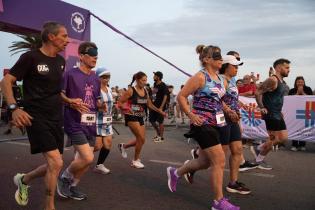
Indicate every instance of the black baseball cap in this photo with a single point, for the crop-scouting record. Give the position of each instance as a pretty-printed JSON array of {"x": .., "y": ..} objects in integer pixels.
[{"x": 159, "y": 74}]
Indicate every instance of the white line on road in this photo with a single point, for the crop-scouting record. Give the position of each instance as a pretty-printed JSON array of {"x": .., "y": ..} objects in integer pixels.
[
  {"x": 226, "y": 170},
  {"x": 27, "y": 144}
]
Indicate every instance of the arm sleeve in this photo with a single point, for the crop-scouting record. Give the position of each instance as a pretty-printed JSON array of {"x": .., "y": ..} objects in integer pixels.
[{"x": 22, "y": 66}]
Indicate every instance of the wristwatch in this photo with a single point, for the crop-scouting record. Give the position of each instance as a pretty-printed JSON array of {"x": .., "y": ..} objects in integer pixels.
[{"x": 13, "y": 107}]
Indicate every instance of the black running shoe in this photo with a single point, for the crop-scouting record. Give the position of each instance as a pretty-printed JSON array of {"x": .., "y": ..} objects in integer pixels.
[
  {"x": 63, "y": 187},
  {"x": 76, "y": 194},
  {"x": 247, "y": 166},
  {"x": 238, "y": 187}
]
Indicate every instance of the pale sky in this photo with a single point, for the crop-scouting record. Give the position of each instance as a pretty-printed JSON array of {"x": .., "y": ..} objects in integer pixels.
[{"x": 262, "y": 31}]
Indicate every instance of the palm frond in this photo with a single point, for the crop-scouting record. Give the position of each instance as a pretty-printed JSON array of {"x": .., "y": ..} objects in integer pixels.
[{"x": 29, "y": 42}]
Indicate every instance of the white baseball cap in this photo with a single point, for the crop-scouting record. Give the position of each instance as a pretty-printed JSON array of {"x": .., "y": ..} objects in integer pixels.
[
  {"x": 231, "y": 59},
  {"x": 102, "y": 71}
]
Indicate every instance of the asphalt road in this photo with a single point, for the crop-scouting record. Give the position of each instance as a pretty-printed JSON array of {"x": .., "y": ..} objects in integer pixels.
[{"x": 289, "y": 186}]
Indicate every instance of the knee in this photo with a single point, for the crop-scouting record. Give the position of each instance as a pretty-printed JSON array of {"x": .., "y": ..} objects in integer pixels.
[
  {"x": 55, "y": 164},
  {"x": 141, "y": 140},
  {"x": 88, "y": 160},
  {"x": 237, "y": 151},
  {"x": 219, "y": 162}
]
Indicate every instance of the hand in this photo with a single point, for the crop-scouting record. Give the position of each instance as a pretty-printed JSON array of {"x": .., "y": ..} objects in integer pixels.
[
  {"x": 77, "y": 104},
  {"x": 21, "y": 118},
  {"x": 263, "y": 111},
  {"x": 234, "y": 117},
  {"x": 195, "y": 119},
  {"x": 101, "y": 105},
  {"x": 300, "y": 90}
]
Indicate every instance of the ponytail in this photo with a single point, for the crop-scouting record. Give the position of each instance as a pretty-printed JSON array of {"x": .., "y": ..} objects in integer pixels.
[{"x": 137, "y": 76}]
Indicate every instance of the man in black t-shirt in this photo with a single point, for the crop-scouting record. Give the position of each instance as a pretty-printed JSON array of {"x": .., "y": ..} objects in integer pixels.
[
  {"x": 41, "y": 71},
  {"x": 159, "y": 98}
]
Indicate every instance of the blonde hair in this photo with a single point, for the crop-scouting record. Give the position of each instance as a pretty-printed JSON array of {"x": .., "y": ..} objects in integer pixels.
[{"x": 206, "y": 52}]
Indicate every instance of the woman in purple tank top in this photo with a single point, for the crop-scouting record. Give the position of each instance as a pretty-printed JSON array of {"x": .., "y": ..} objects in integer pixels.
[{"x": 207, "y": 88}]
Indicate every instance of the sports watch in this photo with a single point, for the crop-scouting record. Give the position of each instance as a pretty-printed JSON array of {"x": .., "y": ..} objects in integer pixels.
[{"x": 13, "y": 107}]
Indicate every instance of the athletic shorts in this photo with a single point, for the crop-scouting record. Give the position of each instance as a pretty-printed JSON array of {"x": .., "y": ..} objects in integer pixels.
[
  {"x": 104, "y": 130},
  {"x": 132, "y": 118},
  {"x": 45, "y": 136},
  {"x": 230, "y": 132},
  {"x": 156, "y": 117},
  {"x": 206, "y": 135},
  {"x": 275, "y": 124},
  {"x": 80, "y": 139}
]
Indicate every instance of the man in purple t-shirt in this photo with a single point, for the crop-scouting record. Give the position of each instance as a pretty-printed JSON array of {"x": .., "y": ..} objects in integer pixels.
[{"x": 81, "y": 91}]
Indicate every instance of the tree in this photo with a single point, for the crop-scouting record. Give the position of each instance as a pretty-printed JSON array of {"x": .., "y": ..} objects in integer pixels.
[{"x": 30, "y": 42}]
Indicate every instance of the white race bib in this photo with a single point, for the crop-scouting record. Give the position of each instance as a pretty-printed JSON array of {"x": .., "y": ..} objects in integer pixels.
[
  {"x": 88, "y": 118},
  {"x": 220, "y": 119},
  {"x": 107, "y": 120},
  {"x": 135, "y": 108}
]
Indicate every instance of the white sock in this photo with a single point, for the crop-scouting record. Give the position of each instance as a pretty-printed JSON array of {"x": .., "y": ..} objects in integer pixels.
[
  {"x": 175, "y": 172},
  {"x": 67, "y": 174},
  {"x": 75, "y": 182},
  {"x": 243, "y": 161},
  {"x": 260, "y": 158}
]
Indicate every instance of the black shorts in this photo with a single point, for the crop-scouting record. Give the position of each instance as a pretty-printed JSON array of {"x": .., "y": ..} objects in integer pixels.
[
  {"x": 45, "y": 136},
  {"x": 80, "y": 139},
  {"x": 275, "y": 124},
  {"x": 230, "y": 132},
  {"x": 155, "y": 117},
  {"x": 132, "y": 118},
  {"x": 206, "y": 135}
]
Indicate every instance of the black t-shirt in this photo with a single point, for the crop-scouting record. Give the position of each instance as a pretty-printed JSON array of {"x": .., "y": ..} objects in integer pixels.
[
  {"x": 159, "y": 91},
  {"x": 42, "y": 76},
  {"x": 307, "y": 90}
]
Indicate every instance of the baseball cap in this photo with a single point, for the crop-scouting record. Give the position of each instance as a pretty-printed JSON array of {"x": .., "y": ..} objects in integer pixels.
[
  {"x": 102, "y": 71},
  {"x": 232, "y": 60},
  {"x": 159, "y": 74}
]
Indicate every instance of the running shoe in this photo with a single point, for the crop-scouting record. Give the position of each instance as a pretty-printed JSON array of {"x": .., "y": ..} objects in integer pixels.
[
  {"x": 189, "y": 177},
  {"x": 21, "y": 194},
  {"x": 303, "y": 148},
  {"x": 172, "y": 178},
  {"x": 76, "y": 194},
  {"x": 122, "y": 150},
  {"x": 247, "y": 166},
  {"x": 100, "y": 168},
  {"x": 294, "y": 149},
  {"x": 223, "y": 204},
  {"x": 157, "y": 139},
  {"x": 238, "y": 187},
  {"x": 63, "y": 187},
  {"x": 194, "y": 154},
  {"x": 263, "y": 165},
  {"x": 137, "y": 164}
]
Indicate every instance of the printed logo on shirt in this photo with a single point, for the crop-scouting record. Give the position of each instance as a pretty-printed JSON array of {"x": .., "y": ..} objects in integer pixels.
[{"x": 42, "y": 69}]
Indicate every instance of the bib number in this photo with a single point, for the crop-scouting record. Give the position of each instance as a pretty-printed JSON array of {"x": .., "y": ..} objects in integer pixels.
[
  {"x": 107, "y": 120},
  {"x": 220, "y": 119},
  {"x": 135, "y": 108},
  {"x": 88, "y": 119}
]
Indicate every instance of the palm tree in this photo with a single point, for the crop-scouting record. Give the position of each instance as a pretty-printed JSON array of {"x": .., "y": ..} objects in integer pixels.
[{"x": 30, "y": 42}]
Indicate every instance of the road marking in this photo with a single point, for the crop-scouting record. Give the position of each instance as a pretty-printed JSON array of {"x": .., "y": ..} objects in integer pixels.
[
  {"x": 225, "y": 170},
  {"x": 27, "y": 144}
]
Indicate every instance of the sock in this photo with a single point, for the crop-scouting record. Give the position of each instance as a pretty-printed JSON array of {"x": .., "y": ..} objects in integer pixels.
[
  {"x": 102, "y": 155},
  {"x": 175, "y": 173},
  {"x": 67, "y": 174},
  {"x": 259, "y": 147},
  {"x": 243, "y": 161},
  {"x": 260, "y": 158},
  {"x": 232, "y": 183},
  {"x": 75, "y": 182}
]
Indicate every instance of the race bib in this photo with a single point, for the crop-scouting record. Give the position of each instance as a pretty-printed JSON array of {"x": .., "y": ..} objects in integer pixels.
[
  {"x": 107, "y": 120},
  {"x": 141, "y": 101},
  {"x": 135, "y": 108},
  {"x": 220, "y": 119},
  {"x": 88, "y": 118}
]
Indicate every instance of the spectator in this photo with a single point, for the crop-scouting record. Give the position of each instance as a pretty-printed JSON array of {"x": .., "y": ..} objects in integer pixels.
[
  {"x": 299, "y": 89},
  {"x": 239, "y": 83},
  {"x": 248, "y": 89},
  {"x": 172, "y": 104}
]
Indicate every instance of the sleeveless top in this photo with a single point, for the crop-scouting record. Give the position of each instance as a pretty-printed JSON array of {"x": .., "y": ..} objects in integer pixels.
[
  {"x": 106, "y": 98},
  {"x": 137, "y": 103},
  {"x": 231, "y": 96},
  {"x": 207, "y": 100},
  {"x": 273, "y": 101}
]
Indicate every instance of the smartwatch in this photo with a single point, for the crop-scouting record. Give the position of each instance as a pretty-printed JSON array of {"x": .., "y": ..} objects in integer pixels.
[{"x": 13, "y": 107}]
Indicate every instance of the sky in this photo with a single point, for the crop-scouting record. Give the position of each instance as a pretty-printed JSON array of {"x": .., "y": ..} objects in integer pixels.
[{"x": 261, "y": 31}]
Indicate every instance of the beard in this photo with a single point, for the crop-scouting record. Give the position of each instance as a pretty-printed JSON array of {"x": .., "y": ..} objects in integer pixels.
[{"x": 284, "y": 74}]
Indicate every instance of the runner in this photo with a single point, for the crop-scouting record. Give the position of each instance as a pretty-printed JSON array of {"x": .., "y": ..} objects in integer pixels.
[
  {"x": 133, "y": 103},
  {"x": 41, "y": 71},
  {"x": 81, "y": 91},
  {"x": 104, "y": 129},
  {"x": 159, "y": 98},
  {"x": 206, "y": 117},
  {"x": 269, "y": 97}
]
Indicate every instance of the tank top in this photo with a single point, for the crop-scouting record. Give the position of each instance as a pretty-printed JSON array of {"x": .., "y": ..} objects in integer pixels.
[
  {"x": 137, "y": 103},
  {"x": 273, "y": 101},
  {"x": 207, "y": 102},
  {"x": 107, "y": 98},
  {"x": 231, "y": 95}
]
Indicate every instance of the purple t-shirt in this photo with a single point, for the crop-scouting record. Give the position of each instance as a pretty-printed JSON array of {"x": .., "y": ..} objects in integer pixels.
[{"x": 77, "y": 84}]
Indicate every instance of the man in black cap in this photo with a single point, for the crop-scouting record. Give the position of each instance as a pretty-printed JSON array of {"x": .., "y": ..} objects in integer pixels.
[{"x": 159, "y": 98}]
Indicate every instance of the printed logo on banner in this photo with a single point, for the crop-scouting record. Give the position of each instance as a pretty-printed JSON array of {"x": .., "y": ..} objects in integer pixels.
[
  {"x": 77, "y": 22},
  {"x": 250, "y": 115},
  {"x": 307, "y": 114}
]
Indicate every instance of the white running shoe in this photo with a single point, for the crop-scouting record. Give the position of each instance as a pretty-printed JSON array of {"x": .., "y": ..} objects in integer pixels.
[
  {"x": 122, "y": 150},
  {"x": 137, "y": 164},
  {"x": 101, "y": 169},
  {"x": 157, "y": 139}
]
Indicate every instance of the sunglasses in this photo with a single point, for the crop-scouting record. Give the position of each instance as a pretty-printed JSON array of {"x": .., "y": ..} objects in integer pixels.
[
  {"x": 216, "y": 56},
  {"x": 238, "y": 58},
  {"x": 91, "y": 52}
]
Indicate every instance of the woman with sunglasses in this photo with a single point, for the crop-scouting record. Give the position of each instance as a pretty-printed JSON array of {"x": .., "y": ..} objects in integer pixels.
[
  {"x": 133, "y": 103},
  {"x": 207, "y": 88},
  {"x": 104, "y": 129}
]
